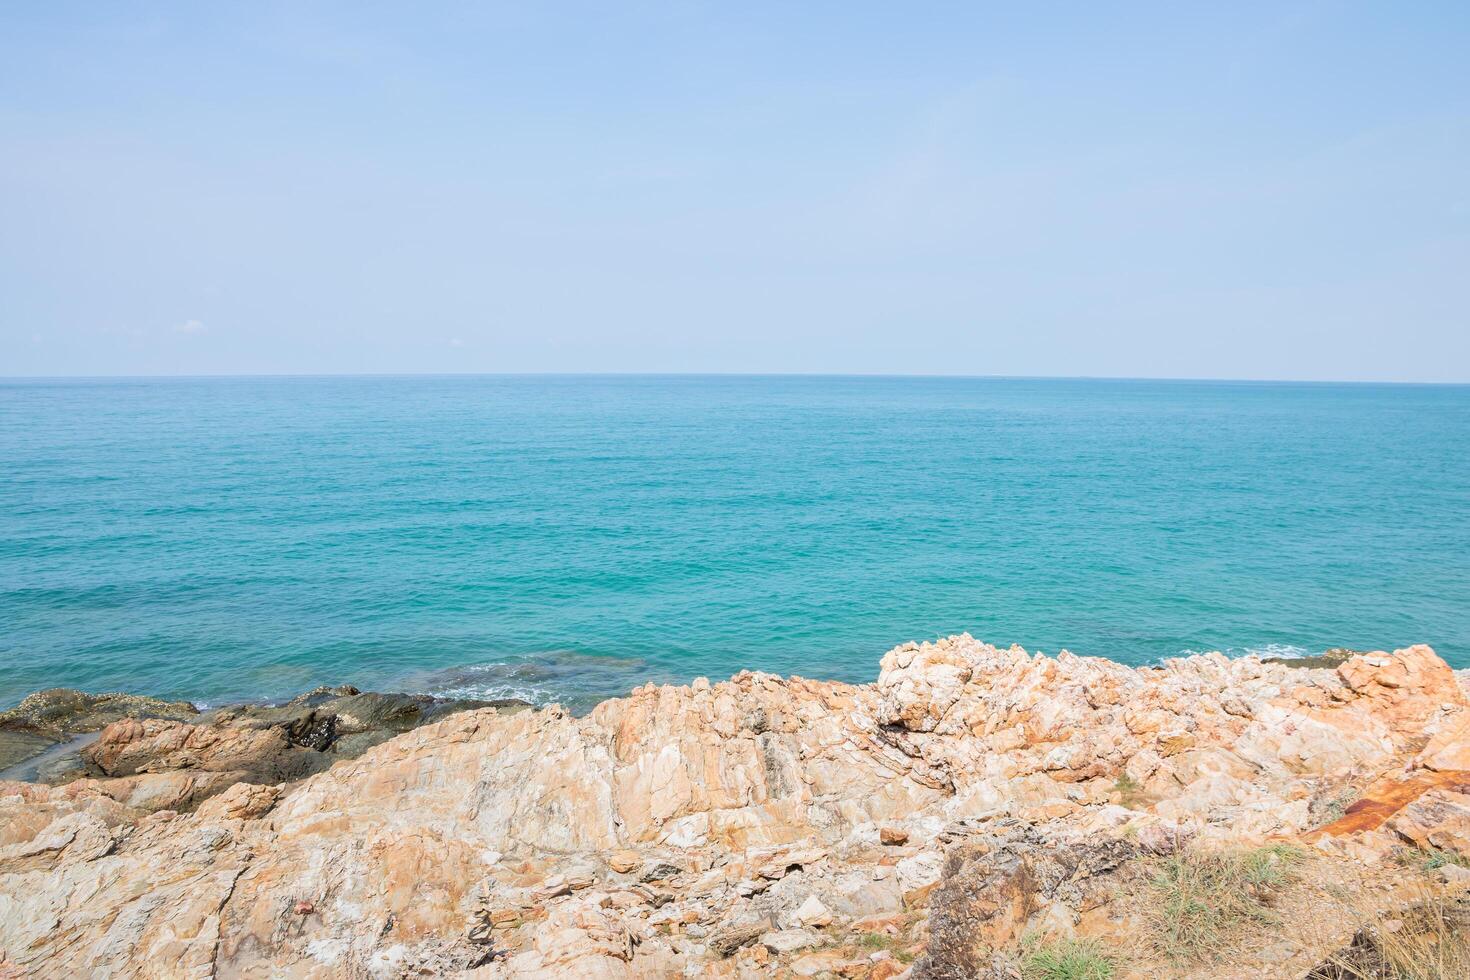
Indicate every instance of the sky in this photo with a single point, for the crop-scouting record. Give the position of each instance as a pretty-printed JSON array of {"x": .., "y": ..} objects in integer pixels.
[{"x": 1242, "y": 190}]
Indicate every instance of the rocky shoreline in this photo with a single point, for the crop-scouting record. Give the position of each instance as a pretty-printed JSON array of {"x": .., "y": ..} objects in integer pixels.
[
  {"x": 972, "y": 812},
  {"x": 53, "y": 736}
]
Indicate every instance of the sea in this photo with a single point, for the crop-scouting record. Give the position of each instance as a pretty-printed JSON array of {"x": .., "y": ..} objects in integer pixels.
[{"x": 565, "y": 538}]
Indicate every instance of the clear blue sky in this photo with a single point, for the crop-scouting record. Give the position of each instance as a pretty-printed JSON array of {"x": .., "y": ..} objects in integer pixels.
[{"x": 1275, "y": 190}]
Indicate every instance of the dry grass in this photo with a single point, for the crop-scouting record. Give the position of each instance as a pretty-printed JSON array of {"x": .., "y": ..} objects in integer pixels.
[
  {"x": 1200, "y": 904},
  {"x": 1429, "y": 941}
]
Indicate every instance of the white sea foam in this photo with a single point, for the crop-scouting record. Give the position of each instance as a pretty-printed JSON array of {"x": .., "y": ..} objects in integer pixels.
[
  {"x": 1284, "y": 650},
  {"x": 576, "y": 680}
]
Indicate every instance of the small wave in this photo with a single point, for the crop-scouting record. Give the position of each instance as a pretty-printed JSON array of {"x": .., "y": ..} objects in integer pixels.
[{"x": 575, "y": 680}]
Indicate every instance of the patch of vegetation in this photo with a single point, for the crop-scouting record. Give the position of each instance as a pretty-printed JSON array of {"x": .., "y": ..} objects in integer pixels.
[
  {"x": 1065, "y": 959},
  {"x": 1330, "y": 809},
  {"x": 904, "y": 956},
  {"x": 1428, "y": 859},
  {"x": 876, "y": 940},
  {"x": 1434, "y": 860},
  {"x": 1427, "y": 942},
  {"x": 1201, "y": 902},
  {"x": 1130, "y": 793}
]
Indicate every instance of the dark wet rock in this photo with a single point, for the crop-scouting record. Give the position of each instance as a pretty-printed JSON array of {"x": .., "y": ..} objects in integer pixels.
[
  {"x": 48, "y": 718},
  {"x": 19, "y": 746},
  {"x": 994, "y": 884},
  {"x": 58, "y": 763},
  {"x": 178, "y": 764},
  {"x": 166, "y": 754},
  {"x": 1328, "y": 658},
  {"x": 346, "y": 722}
]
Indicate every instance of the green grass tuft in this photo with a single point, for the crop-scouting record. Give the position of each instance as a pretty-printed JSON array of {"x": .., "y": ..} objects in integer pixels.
[
  {"x": 1065, "y": 959},
  {"x": 1434, "y": 860}
]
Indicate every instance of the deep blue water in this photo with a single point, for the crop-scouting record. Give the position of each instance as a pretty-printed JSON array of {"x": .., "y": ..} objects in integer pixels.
[{"x": 566, "y": 537}]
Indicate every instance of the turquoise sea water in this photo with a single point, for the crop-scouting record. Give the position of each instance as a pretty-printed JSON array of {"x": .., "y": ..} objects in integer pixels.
[{"x": 568, "y": 537}]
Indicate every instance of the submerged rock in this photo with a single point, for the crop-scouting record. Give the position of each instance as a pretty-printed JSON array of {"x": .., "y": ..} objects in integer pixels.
[{"x": 1327, "y": 658}]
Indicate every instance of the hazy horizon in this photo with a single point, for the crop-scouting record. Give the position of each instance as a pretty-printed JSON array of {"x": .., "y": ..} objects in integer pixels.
[
  {"x": 1259, "y": 192},
  {"x": 722, "y": 374}
]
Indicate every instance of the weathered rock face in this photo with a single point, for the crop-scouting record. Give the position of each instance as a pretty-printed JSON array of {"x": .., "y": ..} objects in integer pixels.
[
  {"x": 997, "y": 882},
  {"x": 670, "y": 832}
]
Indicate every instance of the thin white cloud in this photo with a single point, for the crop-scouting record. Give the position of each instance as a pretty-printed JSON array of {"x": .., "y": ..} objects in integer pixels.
[{"x": 191, "y": 326}]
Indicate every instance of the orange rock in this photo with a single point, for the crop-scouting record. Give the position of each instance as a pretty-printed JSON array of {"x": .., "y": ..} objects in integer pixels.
[
  {"x": 886, "y": 969},
  {"x": 624, "y": 861},
  {"x": 1386, "y": 798}
]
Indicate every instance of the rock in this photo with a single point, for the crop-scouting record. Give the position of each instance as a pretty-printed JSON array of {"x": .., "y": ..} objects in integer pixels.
[
  {"x": 726, "y": 941},
  {"x": 1164, "y": 838},
  {"x": 127, "y": 748},
  {"x": 345, "y": 721},
  {"x": 660, "y": 871},
  {"x": 813, "y": 913},
  {"x": 62, "y": 711},
  {"x": 242, "y": 801},
  {"x": 790, "y": 940},
  {"x": 893, "y": 836},
  {"x": 1456, "y": 876},
  {"x": 177, "y": 764},
  {"x": 624, "y": 862},
  {"x": 828, "y": 961},
  {"x": 994, "y": 884},
  {"x": 1438, "y": 820},
  {"x": 920, "y": 870},
  {"x": 1410, "y": 686},
  {"x": 1328, "y": 658}
]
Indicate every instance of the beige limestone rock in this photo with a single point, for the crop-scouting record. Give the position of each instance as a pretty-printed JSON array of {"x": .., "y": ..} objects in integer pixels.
[
  {"x": 813, "y": 914},
  {"x": 242, "y": 801}
]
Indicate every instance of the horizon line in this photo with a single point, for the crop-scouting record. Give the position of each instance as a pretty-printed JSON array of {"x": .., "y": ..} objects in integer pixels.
[{"x": 717, "y": 374}]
